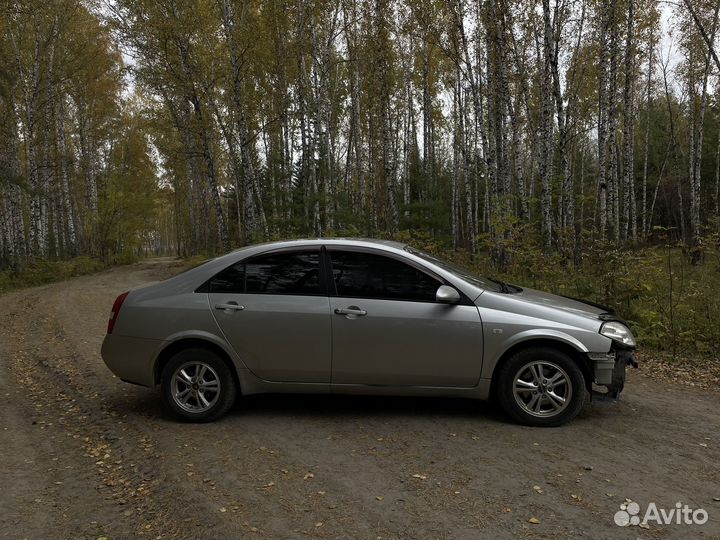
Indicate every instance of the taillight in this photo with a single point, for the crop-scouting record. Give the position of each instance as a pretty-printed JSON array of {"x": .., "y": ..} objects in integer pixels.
[{"x": 116, "y": 311}]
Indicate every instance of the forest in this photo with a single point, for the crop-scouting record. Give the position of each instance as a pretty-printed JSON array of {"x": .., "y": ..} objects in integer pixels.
[{"x": 571, "y": 145}]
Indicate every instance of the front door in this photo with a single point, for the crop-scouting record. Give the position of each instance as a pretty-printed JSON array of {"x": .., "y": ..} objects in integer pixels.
[
  {"x": 389, "y": 330},
  {"x": 275, "y": 313}
]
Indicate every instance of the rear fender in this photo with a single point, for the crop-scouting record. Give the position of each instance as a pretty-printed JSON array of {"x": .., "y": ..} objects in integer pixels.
[{"x": 202, "y": 336}]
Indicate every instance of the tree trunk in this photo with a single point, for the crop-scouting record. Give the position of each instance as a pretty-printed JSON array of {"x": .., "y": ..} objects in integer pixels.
[
  {"x": 697, "y": 140},
  {"x": 210, "y": 173},
  {"x": 629, "y": 205},
  {"x": 254, "y": 211},
  {"x": 546, "y": 163},
  {"x": 648, "y": 90},
  {"x": 603, "y": 103},
  {"x": 613, "y": 177}
]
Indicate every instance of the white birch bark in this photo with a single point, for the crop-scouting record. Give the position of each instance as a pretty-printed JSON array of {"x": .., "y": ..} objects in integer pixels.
[
  {"x": 697, "y": 141},
  {"x": 629, "y": 209},
  {"x": 546, "y": 164}
]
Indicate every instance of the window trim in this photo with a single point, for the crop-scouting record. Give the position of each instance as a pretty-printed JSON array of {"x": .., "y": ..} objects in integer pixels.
[
  {"x": 205, "y": 287},
  {"x": 332, "y": 288}
]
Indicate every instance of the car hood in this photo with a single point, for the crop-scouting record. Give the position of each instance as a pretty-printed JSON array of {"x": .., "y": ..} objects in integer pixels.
[{"x": 562, "y": 303}]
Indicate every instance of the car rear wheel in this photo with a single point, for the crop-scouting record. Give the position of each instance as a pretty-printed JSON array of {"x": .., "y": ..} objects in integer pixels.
[
  {"x": 541, "y": 386},
  {"x": 198, "y": 385}
]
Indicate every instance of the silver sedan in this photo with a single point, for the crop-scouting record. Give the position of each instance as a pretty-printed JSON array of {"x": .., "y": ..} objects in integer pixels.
[{"x": 362, "y": 317}]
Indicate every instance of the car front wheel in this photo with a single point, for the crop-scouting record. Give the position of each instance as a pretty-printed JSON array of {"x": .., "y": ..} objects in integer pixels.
[
  {"x": 541, "y": 387},
  {"x": 198, "y": 386}
]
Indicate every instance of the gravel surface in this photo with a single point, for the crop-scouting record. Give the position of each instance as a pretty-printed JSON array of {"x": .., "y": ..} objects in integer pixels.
[{"x": 85, "y": 455}]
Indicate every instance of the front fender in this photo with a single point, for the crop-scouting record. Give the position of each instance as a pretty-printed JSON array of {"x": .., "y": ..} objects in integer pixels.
[
  {"x": 555, "y": 335},
  {"x": 496, "y": 348}
]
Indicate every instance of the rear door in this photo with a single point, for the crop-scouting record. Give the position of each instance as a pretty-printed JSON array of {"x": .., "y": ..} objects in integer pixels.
[
  {"x": 274, "y": 311},
  {"x": 389, "y": 330}
]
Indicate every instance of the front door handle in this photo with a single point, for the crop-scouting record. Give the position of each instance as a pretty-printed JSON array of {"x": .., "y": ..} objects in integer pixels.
[
  {"x": 351, "y": 310},
  {"x": 230, "y": 306}
]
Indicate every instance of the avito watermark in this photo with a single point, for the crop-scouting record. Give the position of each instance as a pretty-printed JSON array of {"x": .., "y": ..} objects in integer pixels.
[{"x": 680, "y": 514}]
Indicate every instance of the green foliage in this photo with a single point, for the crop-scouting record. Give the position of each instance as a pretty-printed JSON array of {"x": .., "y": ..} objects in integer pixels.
[
  {"x": 126, "y": 212},
  {"x": 670, "y": 304}
]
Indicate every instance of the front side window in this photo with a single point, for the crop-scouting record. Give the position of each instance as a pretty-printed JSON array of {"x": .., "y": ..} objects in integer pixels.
[
  {"x": 295, "y": 273},
  {"x": 365, "y": 275},
  {"x": 483, "y": 283}
]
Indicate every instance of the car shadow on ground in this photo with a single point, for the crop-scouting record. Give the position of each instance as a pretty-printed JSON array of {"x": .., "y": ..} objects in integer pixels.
[
  {"x": 137, "y": 401},
  {"x": 350, "y": 407},
  {"x": 354, "y": 406}
]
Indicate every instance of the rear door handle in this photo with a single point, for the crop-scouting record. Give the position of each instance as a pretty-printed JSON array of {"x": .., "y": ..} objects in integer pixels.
[
  {"x": 230, "y": 306},
  {"x": 351, "y": 310}
]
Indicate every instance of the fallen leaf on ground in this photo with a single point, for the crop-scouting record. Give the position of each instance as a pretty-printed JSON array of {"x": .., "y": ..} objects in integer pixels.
[{"x": 534, "y": 520}]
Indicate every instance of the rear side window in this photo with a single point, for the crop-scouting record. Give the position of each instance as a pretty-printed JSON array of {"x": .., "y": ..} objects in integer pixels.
[
  {"x": 295, "y": 273},
  {"x": 365, "y": 275}
]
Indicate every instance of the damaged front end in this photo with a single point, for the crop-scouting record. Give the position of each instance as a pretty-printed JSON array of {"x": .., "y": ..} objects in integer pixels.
[{"x": 608, "y": 370}]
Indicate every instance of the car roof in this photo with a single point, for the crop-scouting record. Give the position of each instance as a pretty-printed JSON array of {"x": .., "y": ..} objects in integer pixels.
[{"x": 344, "y": 241}]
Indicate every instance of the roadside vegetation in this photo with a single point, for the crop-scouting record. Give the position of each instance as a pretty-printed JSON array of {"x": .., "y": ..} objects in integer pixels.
[
  {"x": 667, "y": 298},
  {"x": 40, "y": 272},
  {"x": 35, "y": 272}
]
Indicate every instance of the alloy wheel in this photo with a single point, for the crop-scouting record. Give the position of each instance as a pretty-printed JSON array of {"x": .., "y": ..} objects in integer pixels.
[
  {"x": 542, "y": 388},
  {"x": 195, "y": 387}
]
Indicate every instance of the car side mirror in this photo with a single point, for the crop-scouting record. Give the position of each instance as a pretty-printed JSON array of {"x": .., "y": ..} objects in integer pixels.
[{"x": 447, "y": 295}]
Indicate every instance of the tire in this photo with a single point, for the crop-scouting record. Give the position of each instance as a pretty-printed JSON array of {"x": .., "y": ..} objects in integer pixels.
[
  {"x": 531, "y": 389},
  {"x": 198, "y": 386}
]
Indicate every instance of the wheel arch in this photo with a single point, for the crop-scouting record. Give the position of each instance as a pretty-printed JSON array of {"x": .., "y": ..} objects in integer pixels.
[
  {"x": 174, "y": 347},
  {"x": 563, "y": 346}
]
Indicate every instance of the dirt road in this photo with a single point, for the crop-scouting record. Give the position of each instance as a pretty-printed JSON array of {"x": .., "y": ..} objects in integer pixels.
[{"x": 85, "y": 455}]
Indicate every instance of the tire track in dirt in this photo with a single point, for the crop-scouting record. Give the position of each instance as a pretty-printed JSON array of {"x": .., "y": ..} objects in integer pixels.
[
  {"x": 69, "y": 399},
  {"x": 71, "y": 405}
]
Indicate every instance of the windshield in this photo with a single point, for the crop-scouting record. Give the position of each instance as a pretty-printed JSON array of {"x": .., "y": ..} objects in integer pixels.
[{"x": 462, "y": 273}]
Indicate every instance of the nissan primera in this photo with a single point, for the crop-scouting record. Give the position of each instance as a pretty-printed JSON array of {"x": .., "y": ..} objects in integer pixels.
[{"x": 361, "y": 317}]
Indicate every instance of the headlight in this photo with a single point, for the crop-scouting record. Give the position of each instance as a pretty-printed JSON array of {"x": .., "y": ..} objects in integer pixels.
[{"x": 617, "y": 331}]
